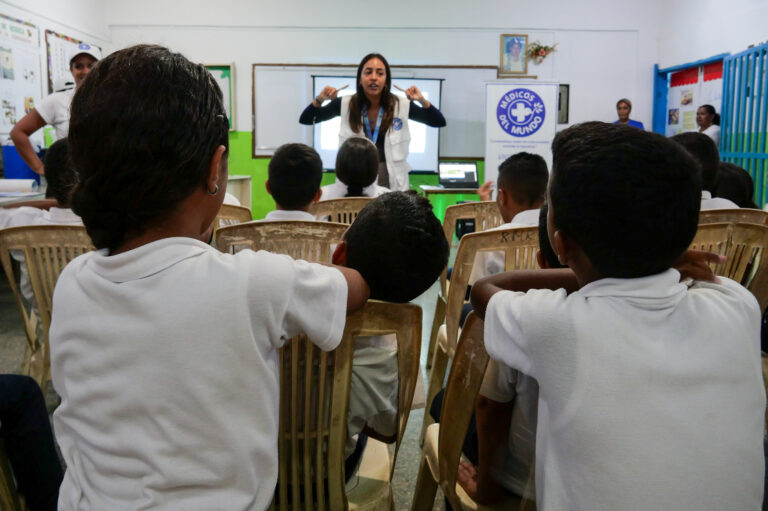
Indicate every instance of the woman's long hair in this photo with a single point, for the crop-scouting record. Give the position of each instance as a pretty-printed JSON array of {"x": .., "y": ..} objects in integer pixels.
[{"x": 359, "y": 99}]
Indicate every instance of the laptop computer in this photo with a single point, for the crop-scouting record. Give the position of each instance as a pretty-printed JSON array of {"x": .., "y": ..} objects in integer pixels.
[{"x": 457, "y": 174}]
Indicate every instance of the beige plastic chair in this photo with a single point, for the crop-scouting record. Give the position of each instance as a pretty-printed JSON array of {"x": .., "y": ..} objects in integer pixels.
[
  {"x": 9, "y": 498},
  {"x": 443, "y": 442},
  {"x": 744, "y": 215},
  {"x": 342, "y": 210},
  {"x": 764, "y": 357},
  {"x": 486, "y": 216},
  {"x": 744, "y": 246},
  {"x": 314, "y": 401},
  {"x": 46, "y": 250},
  {"x": 519, "y": 245},
  {"x": 307, "y": 240}
]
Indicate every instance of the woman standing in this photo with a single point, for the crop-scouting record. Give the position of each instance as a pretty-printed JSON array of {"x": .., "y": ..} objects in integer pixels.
[
  {"x": 374, "y": 112},
  {"x": 53, "y": 109},
  {"x": 623, "y": 109},
  {"x": 709, "y": 122}
]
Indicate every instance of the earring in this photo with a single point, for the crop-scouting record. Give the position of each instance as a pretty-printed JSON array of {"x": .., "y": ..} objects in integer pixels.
[{"x": 215, "y": 190}]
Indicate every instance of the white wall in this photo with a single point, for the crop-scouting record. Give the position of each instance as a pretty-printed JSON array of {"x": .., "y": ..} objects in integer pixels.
[{"x": 696, "y": 29}]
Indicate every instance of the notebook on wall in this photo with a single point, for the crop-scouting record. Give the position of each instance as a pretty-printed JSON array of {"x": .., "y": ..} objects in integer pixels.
[{"x": 457, "y": 174}]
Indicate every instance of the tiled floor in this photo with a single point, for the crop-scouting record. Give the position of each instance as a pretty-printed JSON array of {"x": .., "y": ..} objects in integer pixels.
[{"x": 12, "y": 342}]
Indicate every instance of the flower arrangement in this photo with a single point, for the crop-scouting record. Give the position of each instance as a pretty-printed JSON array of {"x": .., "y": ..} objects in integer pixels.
[{"x": 538, "y": 52}]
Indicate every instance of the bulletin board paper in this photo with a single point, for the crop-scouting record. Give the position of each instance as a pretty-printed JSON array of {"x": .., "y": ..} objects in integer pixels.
[
  {"x": 58, "y": 49},
  {"x": 20, "y": 80}
]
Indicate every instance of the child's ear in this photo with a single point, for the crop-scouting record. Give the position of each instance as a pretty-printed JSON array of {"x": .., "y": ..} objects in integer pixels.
[
  {"x": 562, "y": 246},
  {"x": 318, "y": 195},
  {"x": 266, "y": 185},
  {"x": 340, "y": 254},
  {"x": 541, "y": 260},
  {"x": 215, "y": 169}
]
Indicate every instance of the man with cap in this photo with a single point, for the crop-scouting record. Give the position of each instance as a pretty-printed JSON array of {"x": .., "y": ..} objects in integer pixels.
[{"x": 53, "y": 109}]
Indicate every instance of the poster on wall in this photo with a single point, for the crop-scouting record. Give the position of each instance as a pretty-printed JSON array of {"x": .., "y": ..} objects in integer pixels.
[
  {"x": 688, "y": 90},
  {"x": 519, "y": 116},
  {"x": 58, "y": 49},
  {"x": 224, "y": 74},
  {"x": 20, "y": 82}
]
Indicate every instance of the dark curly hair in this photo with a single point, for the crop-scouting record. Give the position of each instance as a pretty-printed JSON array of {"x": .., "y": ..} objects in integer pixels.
[
  {"x": 295, "y": 172},
  {"x": 59, "y": 173},
  {"x": 704, "y": 151},
  {"x": 398, "y": 246},
  {"x": 143, "y": 128}
]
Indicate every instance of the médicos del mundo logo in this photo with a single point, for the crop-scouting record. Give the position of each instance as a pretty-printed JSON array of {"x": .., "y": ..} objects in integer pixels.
[{"x": 520, "y": 112}]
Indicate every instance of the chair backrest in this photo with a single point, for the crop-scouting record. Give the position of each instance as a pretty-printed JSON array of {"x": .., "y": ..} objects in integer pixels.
[
  {"x": 519, "y": 245},
  {"x": 744, "y": 245},
  {"x": 314, "y": 401},
  {"x": 342, "y": 210},
  {"x": 485, "y": 214},
  {"x": 299, "y": 239},
  {"x": 744, "y": 215},
  {"x": 764, "y": 358},
  {"x": 46, "y": 249},
  {"x": 464, "y": 380},
  {"x": 9, "y": 496},
  {"x": 229, "y": 214}
]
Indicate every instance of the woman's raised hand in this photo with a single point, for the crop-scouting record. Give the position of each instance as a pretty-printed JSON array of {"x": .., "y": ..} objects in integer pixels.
[
  {"x": 328, "y": 92},
  {"x": 414, "y": 94}
]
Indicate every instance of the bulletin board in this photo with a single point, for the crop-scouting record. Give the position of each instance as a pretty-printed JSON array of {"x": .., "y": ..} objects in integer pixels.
[
  {"x": 688, "y": 90},
  {"x": 58, "y": 49},
  {"x": 224, "y": 74},
  {"x": 20, "y": 70}
]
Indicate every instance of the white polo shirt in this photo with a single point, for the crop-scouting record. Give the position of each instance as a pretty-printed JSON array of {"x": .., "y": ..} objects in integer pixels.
[
  {"x": 338, "y": 190},
  {"x": 166, "y": 360},
  {"x": 650, "y": 392},
  {"x": 54, "y": 109}
]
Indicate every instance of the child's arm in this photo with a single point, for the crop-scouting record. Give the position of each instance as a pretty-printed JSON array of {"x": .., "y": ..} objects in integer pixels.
[
  {"x": 493, "y": 420},
  {"x": 521, "y": 280},
  {"x": 694, "y": 264},
  {"x": 358, "y": 291}
]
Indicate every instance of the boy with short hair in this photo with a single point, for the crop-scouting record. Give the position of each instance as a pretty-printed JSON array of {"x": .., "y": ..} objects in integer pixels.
[
  {"x": 650, "y": 390},
  {"x": 294, "y": 176},
  {"x": 704, "y": 151}
]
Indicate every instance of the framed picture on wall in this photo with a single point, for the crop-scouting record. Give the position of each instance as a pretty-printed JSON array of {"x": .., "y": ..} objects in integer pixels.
[
  {"x": 513, "y": 60},
  {"x": 562, "y": 103},
  {"x": 224, "y": 74}
]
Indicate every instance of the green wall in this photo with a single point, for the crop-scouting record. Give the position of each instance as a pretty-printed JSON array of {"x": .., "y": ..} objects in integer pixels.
[{"x": 241, "y": 162}]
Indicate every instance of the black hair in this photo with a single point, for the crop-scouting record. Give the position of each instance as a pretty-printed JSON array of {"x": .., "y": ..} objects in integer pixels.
[
  {"x": 735, "y": 184},
  {"x": 524, "y": 176},
  {"x": 357, "y": 165},
  {"x": 359, "y": 98},
  {"x": 143, "y": 129},
  {"x": 295, "y": 172},
  {"x": 625, "y": 101},
  {"x": 704, "y": 151},
  {"x": 711, "y": 111},
  {"x": 629, "y": 198},
  {"x": 544, "y": 245},
  {"x": 398, "y": 246},
  {"x": 59, "y": 173}
]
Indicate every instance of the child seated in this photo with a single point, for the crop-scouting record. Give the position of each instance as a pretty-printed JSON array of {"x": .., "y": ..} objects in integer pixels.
[
  {"x": 650, "y": 392},
  {"x": 294, "y": 176},
  {"x": 735, "y": 184},
  {"x": 704, "y": 151},
  {"x": 357, "y": 167},
  {"x": 164, "y": 350}
]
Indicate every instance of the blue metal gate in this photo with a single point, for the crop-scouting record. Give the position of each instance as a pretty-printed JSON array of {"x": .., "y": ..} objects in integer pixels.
[{"x": 745, "y": 116}]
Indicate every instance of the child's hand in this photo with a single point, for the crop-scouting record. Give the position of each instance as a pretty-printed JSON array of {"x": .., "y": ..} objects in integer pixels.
[
  {"x": 467, "y": 478},
  {"x": 485, "y": 191},
  {"x": 694, "y": 264}
]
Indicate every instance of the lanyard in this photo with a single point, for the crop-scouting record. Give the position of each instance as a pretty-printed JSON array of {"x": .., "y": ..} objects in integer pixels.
[{"x": 375, "y": 136}]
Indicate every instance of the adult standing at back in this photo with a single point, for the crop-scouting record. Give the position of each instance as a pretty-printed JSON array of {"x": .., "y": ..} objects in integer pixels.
[
  {"x": 623, "y": 109},
  {"x": 374, "y": 112},
  {"x": 54, "y": 108},
  {"x": 709, "y": 122}
]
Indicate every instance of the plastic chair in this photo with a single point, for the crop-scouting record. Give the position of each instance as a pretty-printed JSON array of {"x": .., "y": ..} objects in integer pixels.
[
  {"x": 314, "y": 401},
  {"x": 229, "y": 214},
  {"x": 9, "y": 497},
  {"x": 443, "y": 442},
  {"x": 486, "y": 216},
  {"x": 342, "y": 210},
  {"x": 46, "y": 250},
  {"x": 764, "y": 358},
  {"x": 744, "y": 215},
  {"x": 744, "y": 246},
  {"x": 519, "y": 245},
  {"x": 308, "y": 240}
]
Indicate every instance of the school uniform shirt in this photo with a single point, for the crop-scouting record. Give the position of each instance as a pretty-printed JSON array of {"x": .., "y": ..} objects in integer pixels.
[
  {"x": 713, "y": 132},
  {"x": 650, "y": 391},
  {"x": 166, "y": 360},
  {"x": 489, "y": 263},
  {"x": 709, "y": 202},
  {"x": 633, "y": 123},
  {"x": 338, "y": 190},
  {"x": 54, "y": 109},
  {"x": 281, "y": 215}
]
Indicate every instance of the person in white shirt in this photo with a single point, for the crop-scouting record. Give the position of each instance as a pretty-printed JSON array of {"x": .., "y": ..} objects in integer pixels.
[
  {"x": 164, "y": 350},
  {"x": 708, "y": 121},
  {"x": 357, "y": 167},
  {"x": 705, "y": 152},
  {"x": 53, "y": 109},
  {"x": 650, "y": 389},
  {"x": 293, "y": 181}
]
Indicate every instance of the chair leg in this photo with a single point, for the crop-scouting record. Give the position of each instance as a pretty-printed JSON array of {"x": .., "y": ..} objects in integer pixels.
[
  {"x": 438, "y": 320},
  {"x": 426, "y": 488},
  {"x": 436, "y": 380}
]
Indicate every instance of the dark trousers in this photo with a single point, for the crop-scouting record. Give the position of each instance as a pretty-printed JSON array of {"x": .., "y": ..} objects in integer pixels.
[{"x": 26, "y": 434}]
